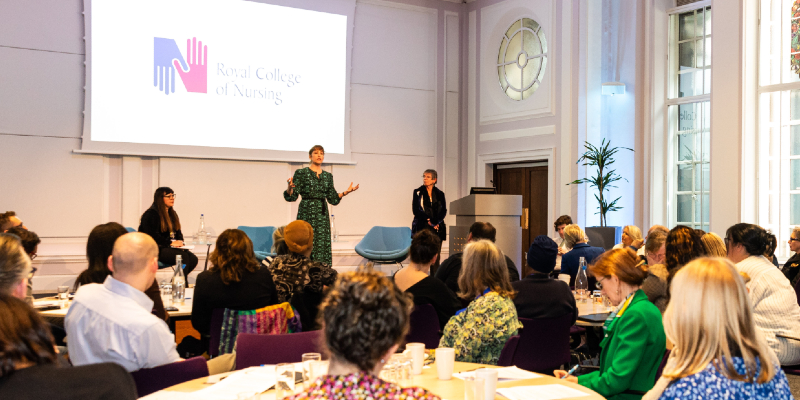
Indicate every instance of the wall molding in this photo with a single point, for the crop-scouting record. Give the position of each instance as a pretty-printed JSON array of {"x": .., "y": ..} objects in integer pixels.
[
  {"x": 401, "y": 6},
  {"x": 519, "y": 133}
]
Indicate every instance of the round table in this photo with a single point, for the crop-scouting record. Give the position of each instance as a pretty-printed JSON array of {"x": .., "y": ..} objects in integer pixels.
[
  {"x": 587, "y": 307},
  {"x": 452, "y": 389}
]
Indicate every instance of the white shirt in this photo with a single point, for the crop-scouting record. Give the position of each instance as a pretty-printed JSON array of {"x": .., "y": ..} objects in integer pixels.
[
  {"x": 113, "y": 322},
  {"x": 561, "y": 244}
]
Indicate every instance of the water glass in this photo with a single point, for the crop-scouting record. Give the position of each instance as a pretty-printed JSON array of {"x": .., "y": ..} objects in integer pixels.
[
  {"x": 403, "y": 370},
  {"x": 307, "y": 358},
  {"x": 166, "y": 294},
  {"x": 317, "y": 369},
  {"x": 63, "y": 296},
  {"x": 284, "y": 380},
  {"x": 474, "y": 388},
  {"x": 389, "y": 371}
]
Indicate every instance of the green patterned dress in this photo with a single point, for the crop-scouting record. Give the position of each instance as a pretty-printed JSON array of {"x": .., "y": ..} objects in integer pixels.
[
  {"x": 479, "y": 333},
  {"x": 317, "y": 192}
]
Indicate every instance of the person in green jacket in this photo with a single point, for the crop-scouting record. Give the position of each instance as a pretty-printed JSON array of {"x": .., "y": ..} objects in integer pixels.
[{"x": 634, "y": 342}]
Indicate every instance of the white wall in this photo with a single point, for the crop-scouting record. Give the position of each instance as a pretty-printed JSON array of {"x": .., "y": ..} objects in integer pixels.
[{"x": 404, "y": 53}]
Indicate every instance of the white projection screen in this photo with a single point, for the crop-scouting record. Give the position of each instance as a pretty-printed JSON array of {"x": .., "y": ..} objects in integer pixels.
[{"x": 228, "y": 79}]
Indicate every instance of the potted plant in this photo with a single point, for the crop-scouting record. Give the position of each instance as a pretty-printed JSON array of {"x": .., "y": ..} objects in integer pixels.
[{"x": 602, "y": 157}]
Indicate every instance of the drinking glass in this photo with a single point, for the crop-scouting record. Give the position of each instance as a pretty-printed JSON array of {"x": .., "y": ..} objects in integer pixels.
[
  {"x": 63, "y": 296},
  {"x": 474, "y": 388},
  {"x": 307, "y": 359},
  {"x": 284, "y": 380},
  {"x": 403, "y": 370}
]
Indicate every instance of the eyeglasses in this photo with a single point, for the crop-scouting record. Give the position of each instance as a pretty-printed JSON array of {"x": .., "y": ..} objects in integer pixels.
[
  {"x": 33, "y": 256},
  {"x": 599, "y": 283},
  {"x": 170, "y": 196},
  {"x": 33, "y": 270},
  {"x": 791, "y": 239}
]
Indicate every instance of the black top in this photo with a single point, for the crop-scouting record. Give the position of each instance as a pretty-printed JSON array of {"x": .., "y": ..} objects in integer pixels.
[
  {"x": 426, "y": 207},
  {"x": 540, "y": 296},
  {"x": 434, "y": 292},
  {"x": 791, "y": 268},
  {"x": 89, "y": 382},
  {"x": 151, "y": 225},
  {"x": 255, "y": 290},
  {"x": 450, "y": 268}
]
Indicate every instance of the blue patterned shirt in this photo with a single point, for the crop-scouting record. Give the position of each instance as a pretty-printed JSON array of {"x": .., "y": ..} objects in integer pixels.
[{"x": 711, "y": 384}]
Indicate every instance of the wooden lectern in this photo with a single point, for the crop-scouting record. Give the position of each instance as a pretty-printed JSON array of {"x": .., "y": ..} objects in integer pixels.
[{"x": 503, "y": 211}]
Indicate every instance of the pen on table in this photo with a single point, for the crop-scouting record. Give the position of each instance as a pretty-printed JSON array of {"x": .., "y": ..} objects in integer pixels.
[{"x": 570, "y": 372}]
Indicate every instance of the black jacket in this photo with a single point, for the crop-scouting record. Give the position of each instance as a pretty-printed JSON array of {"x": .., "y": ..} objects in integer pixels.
[
  {"x": 106, "y": 381},
  {"x": 425, "y": 209},
  {"x": 151, "y": 225},
  {"x": 540, "y": 296},
  {"x": 450, "y": 268},
  {"x": 791, "y": 268}
]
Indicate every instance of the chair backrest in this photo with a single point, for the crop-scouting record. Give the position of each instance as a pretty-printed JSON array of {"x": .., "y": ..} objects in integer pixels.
[
  {"x": 509, "y": 350},
  {"x": 424, "y": 326},
  {"x": 215, "y": 331},
  {"x": 663, "y": 364},
  {"x": 384, "y": 238},
  {"x": 254, "y": 350},
  {"x": 260, "y": 235},
  {"x": 544, "y": 344},
  {"x": 151, "y": 380},
  {"x": 129, "y": 229}
]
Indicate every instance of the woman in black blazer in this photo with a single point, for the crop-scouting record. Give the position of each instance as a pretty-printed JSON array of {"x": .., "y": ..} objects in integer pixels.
[
  {"x": 162, "y": 223},
  {"x": 429, "y": 207}
]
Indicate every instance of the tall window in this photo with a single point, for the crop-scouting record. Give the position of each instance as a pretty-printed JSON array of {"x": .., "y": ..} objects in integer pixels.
[
  {"x": 688, "y": 113},
  {"x": 779, "y": 120}
]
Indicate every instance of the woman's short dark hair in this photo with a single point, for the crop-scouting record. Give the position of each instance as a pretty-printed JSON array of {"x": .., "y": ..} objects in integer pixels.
[
  {"x": 28, "y": 238},
  {"x": 169, "y": 218},
  {"x": 24, "y": 336},
  {"x": 772, "y": 245},
  {"x": 232, "y": 255},
  {"x": 682, "y": 245},
  {"x": 98, "y": 248},
  {"x": 424, "y": 246},
  {"x": 562, "y": 220},
  {"x": 483, "y": 230},
  {"x": 363, "y": 316},
  {"x": 316, "y": 147},
  {"x": 434, "y": 176},
  {"x": 753, "y": 237}
]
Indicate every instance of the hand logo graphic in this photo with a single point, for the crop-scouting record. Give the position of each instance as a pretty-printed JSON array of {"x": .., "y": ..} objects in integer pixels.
[
  {"x": 164, "y": 52},
  {"x": 194, "y": 77}
]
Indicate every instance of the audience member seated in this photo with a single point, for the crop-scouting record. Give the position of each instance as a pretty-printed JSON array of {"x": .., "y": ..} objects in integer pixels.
[
  {"x": 235, "y": 281},
  {"x": 774, "y": 300},
  {"x": 655, "y": 285},
  {"x": 577, "y": 241},
  {"x": 364, "y": 319},
  {"x": 718, "y": 351},
  {"x": 639, "y": 244},
  {"x": 713, "y": 245},
  {"x": 559, "y": 225},
  {"x": 450, "y": 269},
  {"x": 30, "y": 242},
  {"x": 112, "y": 322},
  {"x": 28, "y": 363},
  {"x": 98, "y": 248},
  {"x": 683, "y": 245},
  {"x": 479, "y": 332},
  {"x": 10, "y": 220},
  {"x": 278, "y": 246},
  {"x": 161, "y": 222},
  {"x": 415, "y": 277},
  {"x": 15, "y": 267},
  {"x": 539, "y": 295},
  {"x": 630, "y": 234},
  {"x": 634, "y": 343},
  {"x": 792, "y": 266},
  {"x": 299, "y": 279},
  {"x": 772, "y": 245}
]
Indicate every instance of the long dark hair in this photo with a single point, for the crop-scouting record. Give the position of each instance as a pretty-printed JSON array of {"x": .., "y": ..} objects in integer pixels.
[
  {"x": 169, "y": 218},
  {"x": 232, "y": 255},
  {"x": 682, "y": 245},
  {"x": 98, "y": 249},
  {"x": 24, "y": 336}
]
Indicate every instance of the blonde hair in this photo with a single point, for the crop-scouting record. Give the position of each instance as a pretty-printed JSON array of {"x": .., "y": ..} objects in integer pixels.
[
  {"x": 710, "y": 320},
  {"x": 713, "y": 245},
  {"x": 633, "y": 231},
  {"x": 484, "y": 266},
  {"x": 573, "y": 234}
]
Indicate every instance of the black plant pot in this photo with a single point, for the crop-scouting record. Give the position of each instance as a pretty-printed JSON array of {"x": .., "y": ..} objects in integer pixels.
[{"x": 604, "y": 236}]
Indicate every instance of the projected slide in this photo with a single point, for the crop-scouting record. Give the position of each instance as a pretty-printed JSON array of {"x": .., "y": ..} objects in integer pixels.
[{"x": 221, "y": 73}]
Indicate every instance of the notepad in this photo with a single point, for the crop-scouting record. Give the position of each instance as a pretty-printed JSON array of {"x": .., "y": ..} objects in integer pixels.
[
  {"x": 541, "y": 392},
  {"x": 504, "y": 374},
  {"x": 250, "y": 380}
]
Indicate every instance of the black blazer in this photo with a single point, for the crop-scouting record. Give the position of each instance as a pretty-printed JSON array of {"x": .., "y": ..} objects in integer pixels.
[
  {"x": 424, "y": 210},
  {"x": 540, "y": 296},
  {"x": 151, "y": 225},
  {"x": 451, "y": 267}
]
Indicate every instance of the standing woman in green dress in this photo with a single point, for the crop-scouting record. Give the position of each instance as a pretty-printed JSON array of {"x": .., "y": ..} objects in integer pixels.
[{"x": 316, "y": 188}]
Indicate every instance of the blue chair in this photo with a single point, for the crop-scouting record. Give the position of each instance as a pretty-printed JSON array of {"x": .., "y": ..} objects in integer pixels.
[
  {"x": 262, "y": 240},
  {"x": 385, "y": 245},
  {"x": 129, "y": 229}
]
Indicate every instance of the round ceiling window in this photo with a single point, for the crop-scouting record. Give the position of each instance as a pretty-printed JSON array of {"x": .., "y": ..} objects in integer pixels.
[{"x": 522, "y": 59}]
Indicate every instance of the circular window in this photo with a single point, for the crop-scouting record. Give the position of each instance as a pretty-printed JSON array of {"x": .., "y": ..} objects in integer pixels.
[{"x": 522, "y": 59}]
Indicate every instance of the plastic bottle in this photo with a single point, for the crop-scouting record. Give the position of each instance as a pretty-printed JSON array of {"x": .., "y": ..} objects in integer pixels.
[
  {"x": 202, "y": 235},
  {"x": 178, "y": 282},
  {"x": 581, "y": 281},
  {"x": 334, "y": 232}
]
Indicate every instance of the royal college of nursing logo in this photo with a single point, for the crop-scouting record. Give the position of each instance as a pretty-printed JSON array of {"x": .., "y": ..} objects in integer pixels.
[{"x": 193, "y": 69}]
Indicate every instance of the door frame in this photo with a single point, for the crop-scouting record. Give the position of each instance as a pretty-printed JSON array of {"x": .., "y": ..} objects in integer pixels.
[{"x": 486, "y": 170}]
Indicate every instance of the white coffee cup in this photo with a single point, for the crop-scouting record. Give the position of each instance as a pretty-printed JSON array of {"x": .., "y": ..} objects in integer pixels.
[
  {"x": 417, "y": 353},
  {"x": 445, "y": 360},
  {"x": 489, "y": 376}
]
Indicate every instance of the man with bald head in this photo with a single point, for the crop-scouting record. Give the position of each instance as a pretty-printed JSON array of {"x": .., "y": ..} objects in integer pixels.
[{"x": 112, "y": 321}]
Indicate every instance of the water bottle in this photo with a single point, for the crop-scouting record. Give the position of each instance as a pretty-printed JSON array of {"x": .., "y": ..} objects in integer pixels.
[
  {"x": 582, "y": 281},
  {"x": 178, "y": 281},
  {"x": 202, "y": 235},
  {"x": 334, "y": 232}
]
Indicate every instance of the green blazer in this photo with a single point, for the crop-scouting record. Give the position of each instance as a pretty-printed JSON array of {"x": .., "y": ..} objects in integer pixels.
[{"x": 632, "y": 349}]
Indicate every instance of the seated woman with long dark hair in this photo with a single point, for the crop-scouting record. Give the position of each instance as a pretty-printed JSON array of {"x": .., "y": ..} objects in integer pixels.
[
  {"x": 235, "y": 281},
  {"x": 28, "y": 360},
  {"x": 162, "y": 223}
]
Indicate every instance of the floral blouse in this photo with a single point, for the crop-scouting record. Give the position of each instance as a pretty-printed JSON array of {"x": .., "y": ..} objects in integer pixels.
[
  {"x": 479, "y": 333},
  {"x": 711, "y": 384},
  {"x": 360, "y": 386}
]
